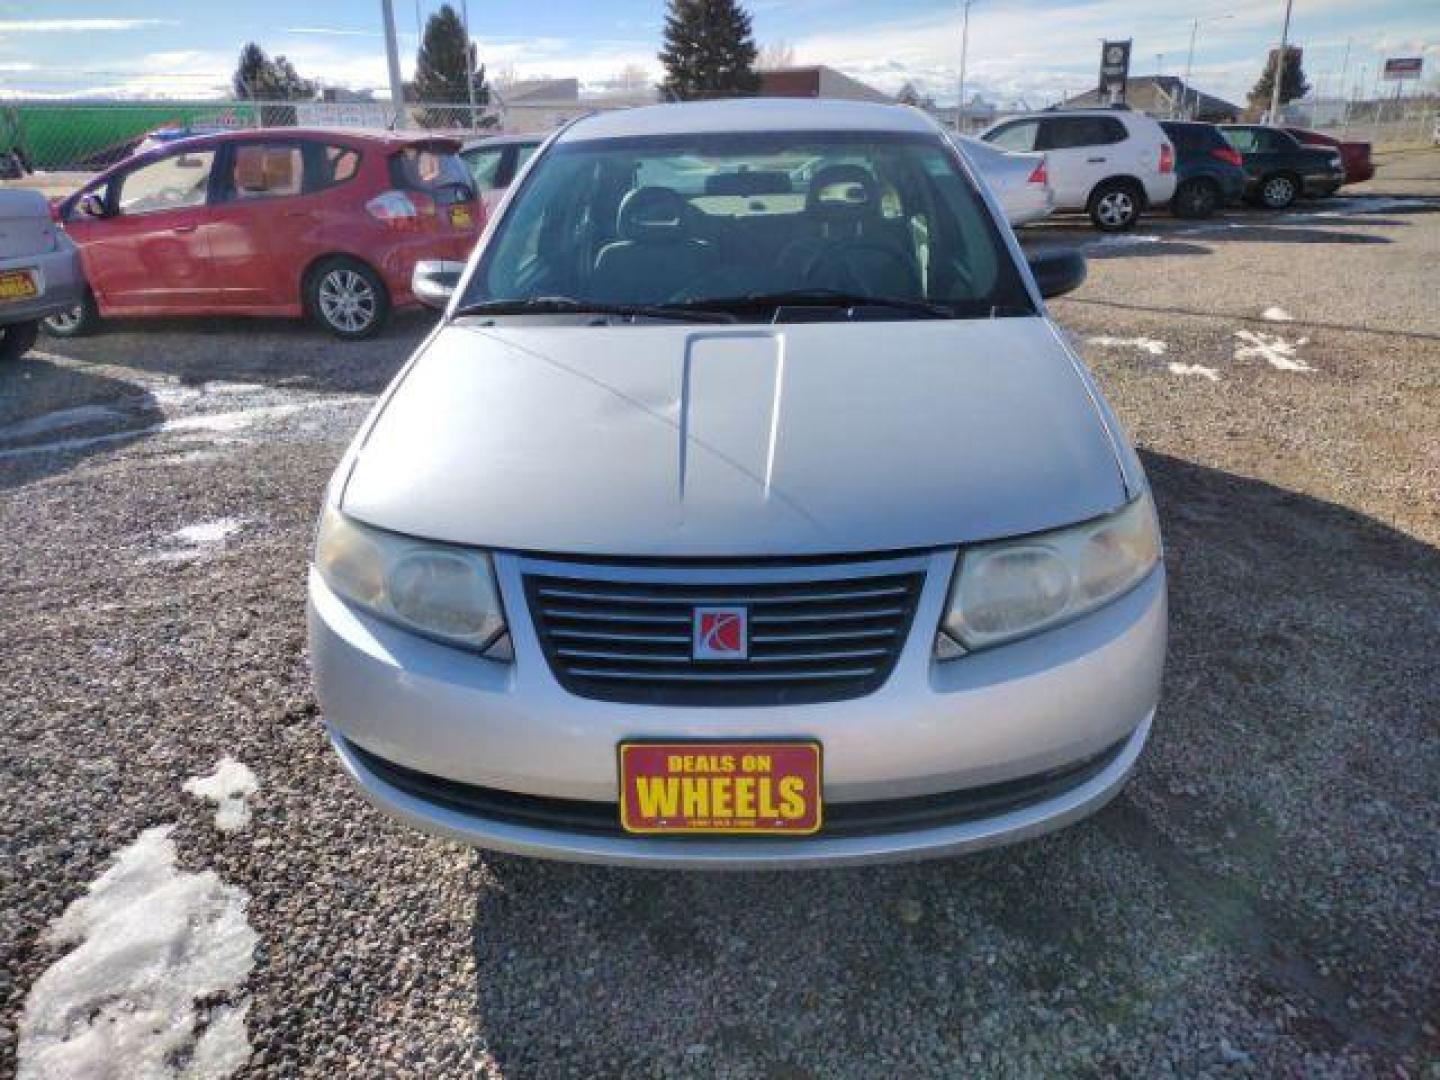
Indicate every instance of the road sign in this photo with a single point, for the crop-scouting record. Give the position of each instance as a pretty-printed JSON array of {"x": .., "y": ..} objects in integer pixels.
[
  {"x": 1403, "y": 67},
  {"x": 1114, "y": 70}
]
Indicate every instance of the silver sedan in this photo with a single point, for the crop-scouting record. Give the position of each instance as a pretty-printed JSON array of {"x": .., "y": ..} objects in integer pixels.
[{"x": 727, "y": 532}]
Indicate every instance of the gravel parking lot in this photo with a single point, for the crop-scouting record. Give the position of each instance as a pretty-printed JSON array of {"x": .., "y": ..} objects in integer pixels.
[{"x": 1261, "y": 900}]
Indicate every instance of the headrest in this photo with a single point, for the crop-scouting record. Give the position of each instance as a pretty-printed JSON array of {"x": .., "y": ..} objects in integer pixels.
[
  {"x": 653, "y": 215},
  {"x": 844, "y": 191}
]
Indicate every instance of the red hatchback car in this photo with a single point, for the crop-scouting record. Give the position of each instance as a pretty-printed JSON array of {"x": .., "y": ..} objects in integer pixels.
[
  {"x": 1355, "y": 156},
  {"x": 287, "y": 222}
]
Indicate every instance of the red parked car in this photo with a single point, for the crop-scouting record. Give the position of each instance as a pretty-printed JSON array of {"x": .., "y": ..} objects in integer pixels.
[
  {"x": 287, "y": 222},
  {"x": 1354, "y": 155}
]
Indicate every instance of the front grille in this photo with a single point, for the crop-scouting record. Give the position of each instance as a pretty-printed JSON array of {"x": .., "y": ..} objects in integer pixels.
[{"x": 812, "y": 639}]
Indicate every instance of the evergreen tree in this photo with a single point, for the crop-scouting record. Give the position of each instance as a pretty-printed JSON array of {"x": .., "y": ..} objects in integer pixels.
[
  {"x": 709, "y": 51},
  {"x": 258, "y": 78},
  {"x": 1292, "y": 80},
  {"x": 441, "y": 64}
]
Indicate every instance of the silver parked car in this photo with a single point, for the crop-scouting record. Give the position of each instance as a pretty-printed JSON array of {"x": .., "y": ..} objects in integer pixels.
[
  {"x": 495, "y": 162},
  {"x": 40, "y": 272},
  {"x": 1020, "y": 182},
  {"x": 717, "y": 530}
]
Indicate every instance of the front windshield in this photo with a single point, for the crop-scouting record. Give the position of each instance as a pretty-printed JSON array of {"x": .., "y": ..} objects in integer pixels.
[{"x": 729, "y": 220}]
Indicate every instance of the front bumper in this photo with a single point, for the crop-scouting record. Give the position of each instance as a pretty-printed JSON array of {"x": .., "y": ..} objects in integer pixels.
[
  {"x": 1081, "y": 690},
  {"x": 62, "y": 283}
]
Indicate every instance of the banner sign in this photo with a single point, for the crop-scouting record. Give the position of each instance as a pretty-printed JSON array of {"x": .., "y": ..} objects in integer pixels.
[
  {"x": 1403, "y": 67},
  {"x": 1114, "y": 70}
]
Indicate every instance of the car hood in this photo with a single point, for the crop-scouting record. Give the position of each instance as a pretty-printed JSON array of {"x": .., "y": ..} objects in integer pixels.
[{"x": 688, "y": 441}]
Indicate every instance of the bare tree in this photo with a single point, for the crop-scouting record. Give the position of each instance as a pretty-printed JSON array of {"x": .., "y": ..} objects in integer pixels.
[{"x": 777, "y": 54}]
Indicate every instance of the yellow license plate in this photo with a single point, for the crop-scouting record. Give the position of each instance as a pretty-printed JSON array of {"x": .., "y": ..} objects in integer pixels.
[
  {"x": 460, "y": 217},
  {"x": 739, "y": 788},
  {"x": 17, "y": 285}
]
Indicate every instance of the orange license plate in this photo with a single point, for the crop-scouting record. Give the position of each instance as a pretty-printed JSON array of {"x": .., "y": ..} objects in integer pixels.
[
  {"x": 17, "y": 285},
  {"x": 736, "y": 788},
  {"x": 460, "y": 217}
]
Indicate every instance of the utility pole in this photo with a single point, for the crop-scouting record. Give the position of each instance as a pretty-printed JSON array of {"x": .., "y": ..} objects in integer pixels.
[
  {"x": 1280, "y": 68},
  {"x": 392, "y": 61},
  {"x": 469, "y": 59},
  {"x": 1344, "y": 97},
  {"x": 1189, "y": 60},
  {"x": 964, "y": 48}
]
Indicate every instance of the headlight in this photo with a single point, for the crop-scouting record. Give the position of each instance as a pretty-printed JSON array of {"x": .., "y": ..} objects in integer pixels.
[
  {"x": 438, "y": 590},
  {"x": 1007, "y": 590}
]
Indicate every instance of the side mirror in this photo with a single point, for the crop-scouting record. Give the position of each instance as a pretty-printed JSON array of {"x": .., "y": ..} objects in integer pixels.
[
  {"x": 93, "y": 205},
  {"x": 1057, "y": 272},
  {"x": 434, "y": 281}
]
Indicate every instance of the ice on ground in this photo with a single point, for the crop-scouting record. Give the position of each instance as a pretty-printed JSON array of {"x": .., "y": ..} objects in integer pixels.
[
  {"x": 152, "y": 943},
  {"x": 59, "y": 420},
  {"x": 1199, "y": 370},
  {"x": 227, "y": 787},
  {"x": 1272, "y": 348},
  {"x": 1147, "y": 345},
  {"x": 1276, "y": 314},
  {"x": 200, "y": 541}
]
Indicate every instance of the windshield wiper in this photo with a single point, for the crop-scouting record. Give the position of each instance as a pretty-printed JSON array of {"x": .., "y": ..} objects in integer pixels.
[
  {"x": 832, "y": 298},
  {"x": 546, "y": 304}
]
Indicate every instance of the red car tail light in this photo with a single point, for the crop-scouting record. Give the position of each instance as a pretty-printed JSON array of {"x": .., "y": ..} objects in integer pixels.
[
  {"x": 1039, "y": 176},
  {"x": 1167, "y": 158},
  {"x": 1227, "y": 154}
]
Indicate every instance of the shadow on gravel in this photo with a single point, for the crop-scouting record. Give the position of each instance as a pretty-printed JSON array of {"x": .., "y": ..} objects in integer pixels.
[
  {"x": 1259, "y": 320},
  {"x": 1288, "y": 234},
  {"x": 54, "y": 416},
  {"x": 276, "y": 352},
  {"x": 1240, "y": 875}
]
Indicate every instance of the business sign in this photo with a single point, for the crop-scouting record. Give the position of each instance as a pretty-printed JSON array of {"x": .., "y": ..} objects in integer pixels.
[
  {"x": 357, "y": 114},
  {"x": 1114, "y": 70},
  {"x": 1403, "y": 67}
]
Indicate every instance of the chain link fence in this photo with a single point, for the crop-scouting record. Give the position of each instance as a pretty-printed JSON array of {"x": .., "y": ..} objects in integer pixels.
[{"x": 85, "y": 136}]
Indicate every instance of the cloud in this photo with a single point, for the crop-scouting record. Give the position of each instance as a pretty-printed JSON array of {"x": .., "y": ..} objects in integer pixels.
[
  {"x": 63, "y": 26},
  {"x": 331, "y": 31}
]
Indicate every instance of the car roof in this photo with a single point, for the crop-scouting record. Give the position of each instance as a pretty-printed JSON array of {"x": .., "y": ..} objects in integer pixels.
[
  {"x": 504, "y": 140},
  {"x": 749, "y": 115}
]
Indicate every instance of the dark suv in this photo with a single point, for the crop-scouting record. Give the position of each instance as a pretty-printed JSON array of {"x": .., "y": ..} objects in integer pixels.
[
  {"x": 1210, "y": 171},
  {"x": 1278, "y": 170}
]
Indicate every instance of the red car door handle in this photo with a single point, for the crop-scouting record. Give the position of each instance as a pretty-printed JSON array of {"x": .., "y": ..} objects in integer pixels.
[{"x": 183, "y": 228}]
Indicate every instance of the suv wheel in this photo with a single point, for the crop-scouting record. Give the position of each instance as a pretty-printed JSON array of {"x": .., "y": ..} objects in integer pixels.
[
  {"x": 1279, "y": 191},
  {"x": 1195, "y": 199},
  {"x": 347, "y": 298},
  {"x": 17, "y": 339},
  {"x": 1115, "y": 206},
  {"x": 77, "y": 321}
]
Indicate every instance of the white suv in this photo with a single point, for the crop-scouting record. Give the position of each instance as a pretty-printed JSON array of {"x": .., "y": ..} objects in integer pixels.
[{"x": 1111, "y": 163}]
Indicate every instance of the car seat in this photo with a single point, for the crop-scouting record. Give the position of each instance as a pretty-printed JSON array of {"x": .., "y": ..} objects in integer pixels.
[{"x": 656, "y": 255}]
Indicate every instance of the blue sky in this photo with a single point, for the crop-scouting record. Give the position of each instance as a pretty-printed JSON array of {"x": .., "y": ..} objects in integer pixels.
[{"x": 1031, "y": 49}]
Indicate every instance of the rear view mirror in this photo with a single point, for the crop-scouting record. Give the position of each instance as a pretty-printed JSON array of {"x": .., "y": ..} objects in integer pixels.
[
  {"x": 1057, "y": 272},
  {"x": 435, "y": 280},
  {"x": 93, "y": 206}
]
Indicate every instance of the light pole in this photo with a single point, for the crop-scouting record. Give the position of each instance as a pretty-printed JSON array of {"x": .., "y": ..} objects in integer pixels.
[
  {"x": 964, "y": 48},
  {"x": 1344, "y": 98},
  {"x": 1280, "y": 68},
  {"x": 392, "y": 61},
  {"x": 1190, "y": 60},
  {"x": 469, "y": 59}
]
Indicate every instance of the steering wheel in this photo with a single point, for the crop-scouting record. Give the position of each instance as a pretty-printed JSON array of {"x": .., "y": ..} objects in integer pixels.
[{"x": 842, "y": 255}]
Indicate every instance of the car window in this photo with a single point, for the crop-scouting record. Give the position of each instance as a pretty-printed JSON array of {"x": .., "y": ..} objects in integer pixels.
[
  {"x": 1242, "y": 139},
  {"x": 701, "y": 218},
  {"x": 171, "y": 183},
  {"x": 485, "y": 166},
  {"x": 264, "y": 171},
  {"x": 1064, "y": 132},
  {"x": 1017, "y": 136},
  {"x": 523, "y": 153},
  {"x": 330, "y": 165}
]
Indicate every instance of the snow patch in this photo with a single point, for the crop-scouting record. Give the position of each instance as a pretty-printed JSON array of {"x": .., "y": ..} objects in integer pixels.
[
  {"x": 1147, "y": 345},
  {"x": 227, "y": 787},
  {"x": 199, "y": 541},
  {"x": 1199, "y": 370},
  {"x": 1273, "y": 349},
  {"x": 153, "y": 942},
  {"x": 1124, "y": 240},
  {"x": 1276, "y": 314}
]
